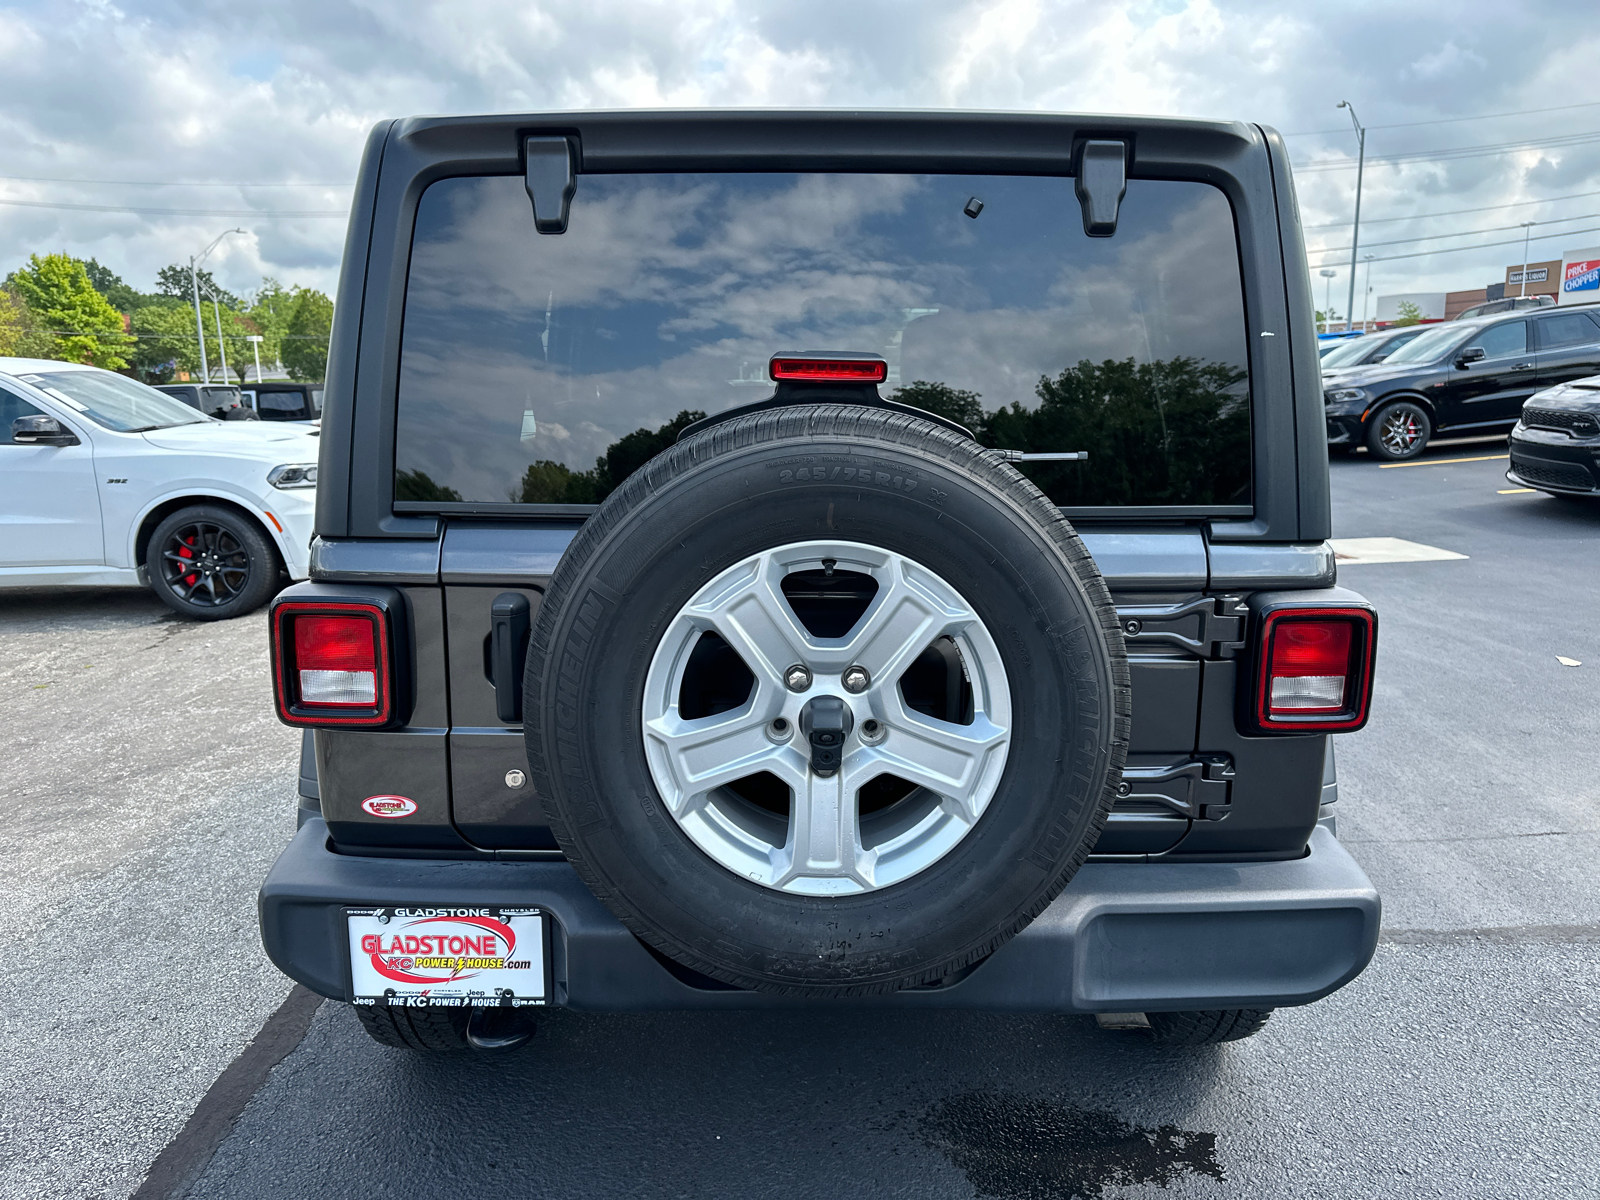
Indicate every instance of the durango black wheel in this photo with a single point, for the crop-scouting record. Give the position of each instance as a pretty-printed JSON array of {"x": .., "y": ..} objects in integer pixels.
[
  {"x": 874, "y": 702},
  {"x": 211, "y": 563},
  {"x": 1399, "y": 431}
]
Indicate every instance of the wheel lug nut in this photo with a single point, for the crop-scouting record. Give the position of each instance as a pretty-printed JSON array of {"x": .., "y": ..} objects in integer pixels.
[
  {"x": 798, "y": 677},
  {"x": 855, "y": 679}
]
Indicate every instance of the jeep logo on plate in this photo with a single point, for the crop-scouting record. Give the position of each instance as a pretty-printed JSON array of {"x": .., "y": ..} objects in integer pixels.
[{"x": 389, "y": 806}]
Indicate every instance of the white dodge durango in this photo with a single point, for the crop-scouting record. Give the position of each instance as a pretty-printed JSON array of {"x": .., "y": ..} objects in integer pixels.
[{"x": 106, "y": 481}]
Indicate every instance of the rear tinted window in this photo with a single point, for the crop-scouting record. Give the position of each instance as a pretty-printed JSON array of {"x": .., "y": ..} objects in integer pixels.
[{"x": 543, "y": 369}]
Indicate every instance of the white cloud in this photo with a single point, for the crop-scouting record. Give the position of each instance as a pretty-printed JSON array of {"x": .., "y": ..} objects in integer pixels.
[{"x": 198, "y": 91}]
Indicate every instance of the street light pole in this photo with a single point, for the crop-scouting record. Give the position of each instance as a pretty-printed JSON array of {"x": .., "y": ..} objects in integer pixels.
[
  {"x": 1327, "y": 297},
  {"x": 1355, "y": 232},
  {"x": 1367, "y": 295},
  {"x": 1527, "y": 229},
  {"x": 222, "y": 349},
  {"x": 255, "y": 345},
  {"x": 194, "y": 283}
]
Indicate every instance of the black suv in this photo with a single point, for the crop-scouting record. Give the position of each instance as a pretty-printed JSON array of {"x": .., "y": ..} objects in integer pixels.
[
  {"x": 815, "y": 559},
  {"x": 1460, "y": 379}
]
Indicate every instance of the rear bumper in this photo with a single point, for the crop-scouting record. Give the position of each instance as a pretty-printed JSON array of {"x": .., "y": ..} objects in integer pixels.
[{"x": 1147, "y": 937}]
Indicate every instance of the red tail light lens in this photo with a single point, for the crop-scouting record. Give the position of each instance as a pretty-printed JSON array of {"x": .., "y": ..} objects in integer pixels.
[
  {"x": 1315, "y": 669},
  {"x": 336, "y": 659},
  {"x": 331, "y": 663},
  {"x": 796, "y": 368}
]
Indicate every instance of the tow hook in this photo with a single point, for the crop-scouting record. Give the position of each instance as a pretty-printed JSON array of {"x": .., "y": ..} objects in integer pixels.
[{"x": 826, "y": 723}]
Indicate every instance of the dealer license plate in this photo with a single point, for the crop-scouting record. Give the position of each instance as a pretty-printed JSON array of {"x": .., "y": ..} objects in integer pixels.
[{"x": 449, "y": 957}]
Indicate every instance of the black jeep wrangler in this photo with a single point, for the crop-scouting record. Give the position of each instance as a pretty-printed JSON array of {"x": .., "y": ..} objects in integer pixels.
[{"x": 776, "y": 559}]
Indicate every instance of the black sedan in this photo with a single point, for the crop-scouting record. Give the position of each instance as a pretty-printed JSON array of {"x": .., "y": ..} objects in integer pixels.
[
  {"x": 1460, "y": 379},
  {"x": 1556, "y": 445}
]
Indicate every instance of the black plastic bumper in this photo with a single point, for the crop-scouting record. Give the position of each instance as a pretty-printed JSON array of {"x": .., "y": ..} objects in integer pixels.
[
  {"x": 1124, "y": 937},
  {"x": 1554, "y": 462},
  {"x": 1344, "y": 430}
]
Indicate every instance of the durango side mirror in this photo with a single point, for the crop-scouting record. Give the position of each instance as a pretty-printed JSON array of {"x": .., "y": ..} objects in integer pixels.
[
  {"x": 1470, "y": 355},
  {"x": 41, "y": 431}
]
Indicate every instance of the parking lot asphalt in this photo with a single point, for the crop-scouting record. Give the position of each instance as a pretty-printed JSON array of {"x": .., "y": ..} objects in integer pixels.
[{"x": 145, "y": 802}]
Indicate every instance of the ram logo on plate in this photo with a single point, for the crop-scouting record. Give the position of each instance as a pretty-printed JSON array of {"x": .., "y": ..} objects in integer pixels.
[{"x": 389, "y": 806}]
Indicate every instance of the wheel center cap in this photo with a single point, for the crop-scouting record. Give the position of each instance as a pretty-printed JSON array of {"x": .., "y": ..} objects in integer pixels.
[{"x": 826, "y": 721}]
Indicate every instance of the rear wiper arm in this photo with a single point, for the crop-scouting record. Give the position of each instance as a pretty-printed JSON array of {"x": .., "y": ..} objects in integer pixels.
[{"x": 1027, "y": 456}]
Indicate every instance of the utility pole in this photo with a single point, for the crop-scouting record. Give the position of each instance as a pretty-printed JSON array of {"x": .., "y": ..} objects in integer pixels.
[
  {"x": 1527, "y": 229},
  {"x": 1367, "y": 297},
  {"x": 1327, "y": 296},
  {"x": 222, "y": 349},
  {"x": 194, "y": 283},
  {"x": 1355, "y": 232}
]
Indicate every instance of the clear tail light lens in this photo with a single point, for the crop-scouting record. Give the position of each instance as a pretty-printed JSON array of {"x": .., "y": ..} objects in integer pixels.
[
  {"x": 1315, "y": 669},
  {"x": 331, "y": 663}
]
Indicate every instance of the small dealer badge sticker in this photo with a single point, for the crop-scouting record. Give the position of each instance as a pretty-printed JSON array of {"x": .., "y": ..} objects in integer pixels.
[{"x": 389, "y": 806}]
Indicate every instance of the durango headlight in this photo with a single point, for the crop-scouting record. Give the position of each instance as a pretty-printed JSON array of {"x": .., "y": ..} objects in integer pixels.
[
  {"x": 293, "y": 475},
  {"x": 1343, "y": 395}
]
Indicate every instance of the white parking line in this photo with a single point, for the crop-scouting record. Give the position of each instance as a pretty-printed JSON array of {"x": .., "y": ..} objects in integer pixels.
[{"x": 1386, "y": 550}]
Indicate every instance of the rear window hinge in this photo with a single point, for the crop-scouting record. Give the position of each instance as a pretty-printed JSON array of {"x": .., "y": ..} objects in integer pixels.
[
  {"x": 1200, "y": 789},
  {"x": 1211, "y": 627}
]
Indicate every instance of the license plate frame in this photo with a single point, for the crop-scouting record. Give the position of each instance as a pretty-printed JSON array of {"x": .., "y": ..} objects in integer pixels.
[{"x": 457, "y": 956}]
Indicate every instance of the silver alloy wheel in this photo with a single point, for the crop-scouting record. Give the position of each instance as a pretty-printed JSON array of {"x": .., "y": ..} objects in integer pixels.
[
  {"x": 1400, "y": 432},
  {"x": 824, "y": 848}
]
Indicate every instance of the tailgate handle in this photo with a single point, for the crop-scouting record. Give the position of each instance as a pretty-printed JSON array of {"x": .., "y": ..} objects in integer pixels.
[{"x": 508, "y": 652}]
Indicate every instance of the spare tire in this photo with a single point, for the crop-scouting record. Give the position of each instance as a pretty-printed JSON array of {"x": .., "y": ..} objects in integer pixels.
[{"x": 826, "y": 700}]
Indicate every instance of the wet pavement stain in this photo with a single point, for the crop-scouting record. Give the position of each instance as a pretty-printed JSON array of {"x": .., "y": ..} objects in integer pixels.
[{"x": 1015, "y": 1148}]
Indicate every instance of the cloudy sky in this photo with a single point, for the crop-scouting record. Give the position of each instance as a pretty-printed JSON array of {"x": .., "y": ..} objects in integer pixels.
[{"x": 172, "y": 108}]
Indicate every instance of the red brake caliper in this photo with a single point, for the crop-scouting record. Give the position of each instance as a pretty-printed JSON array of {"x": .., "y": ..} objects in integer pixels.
[{"x": 184, "y": 551}]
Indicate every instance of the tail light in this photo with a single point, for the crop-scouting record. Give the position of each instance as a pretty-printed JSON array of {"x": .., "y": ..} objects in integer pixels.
[
  {"x": 1314, "y": 671},
  {"x": 332, "y": 663},
  {"x": 828, "y": 368}
]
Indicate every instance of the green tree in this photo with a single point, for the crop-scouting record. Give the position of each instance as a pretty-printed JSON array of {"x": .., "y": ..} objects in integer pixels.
[
  {"x": 305, "y": 339},
  {"x": 84, "y": 326},
  {"x": 110, "y": 285},
  {"x": 21, "y": 334},
  {"x": 174, "y": 281},
  {"x": 419, "y": 487},
  {"x": 547, "y": 482},
  {"x": 166, "y": 341},
  {"x": 1173, "y": 431},
  {"x": 270, "y": 311},
  {"x": 1410, "y": 314},
  {"x": 953, "y": 404}
]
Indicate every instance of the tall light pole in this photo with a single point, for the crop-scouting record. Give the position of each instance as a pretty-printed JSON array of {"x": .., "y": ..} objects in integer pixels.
[
  {"x": 255, "y": 345},
  {"x": 1327, "y": 296},
  {"x": 222, "y": 347},
  {"x": 1367, "y": 296},
  {"x": 1527, "y": 230},
  {"x": 1355, "y": 232},
  {"x": 194, "y": 283}
]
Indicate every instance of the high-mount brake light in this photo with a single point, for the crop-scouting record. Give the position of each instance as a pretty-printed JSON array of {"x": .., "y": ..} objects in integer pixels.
[
  {"x": 799, "y": 368},
  {"x": 1314, "y": 671},
  {"x": 331, "y": 663}
]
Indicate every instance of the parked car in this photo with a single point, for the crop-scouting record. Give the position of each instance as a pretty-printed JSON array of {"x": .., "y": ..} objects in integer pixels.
[
  {"x": 105, "y": 481},
  {"x": 220, "y": 400},
  {"x": 1327, "y": 343},
  {"x": 820, "y": 694},
  {"x": 282, "y": 401},
  {"x": 1461, "y": 379},
  {"x": 1373, "y": 348},
  {"x": 1508, "y": 304},
  {"x": 1555, "y": 446}
]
